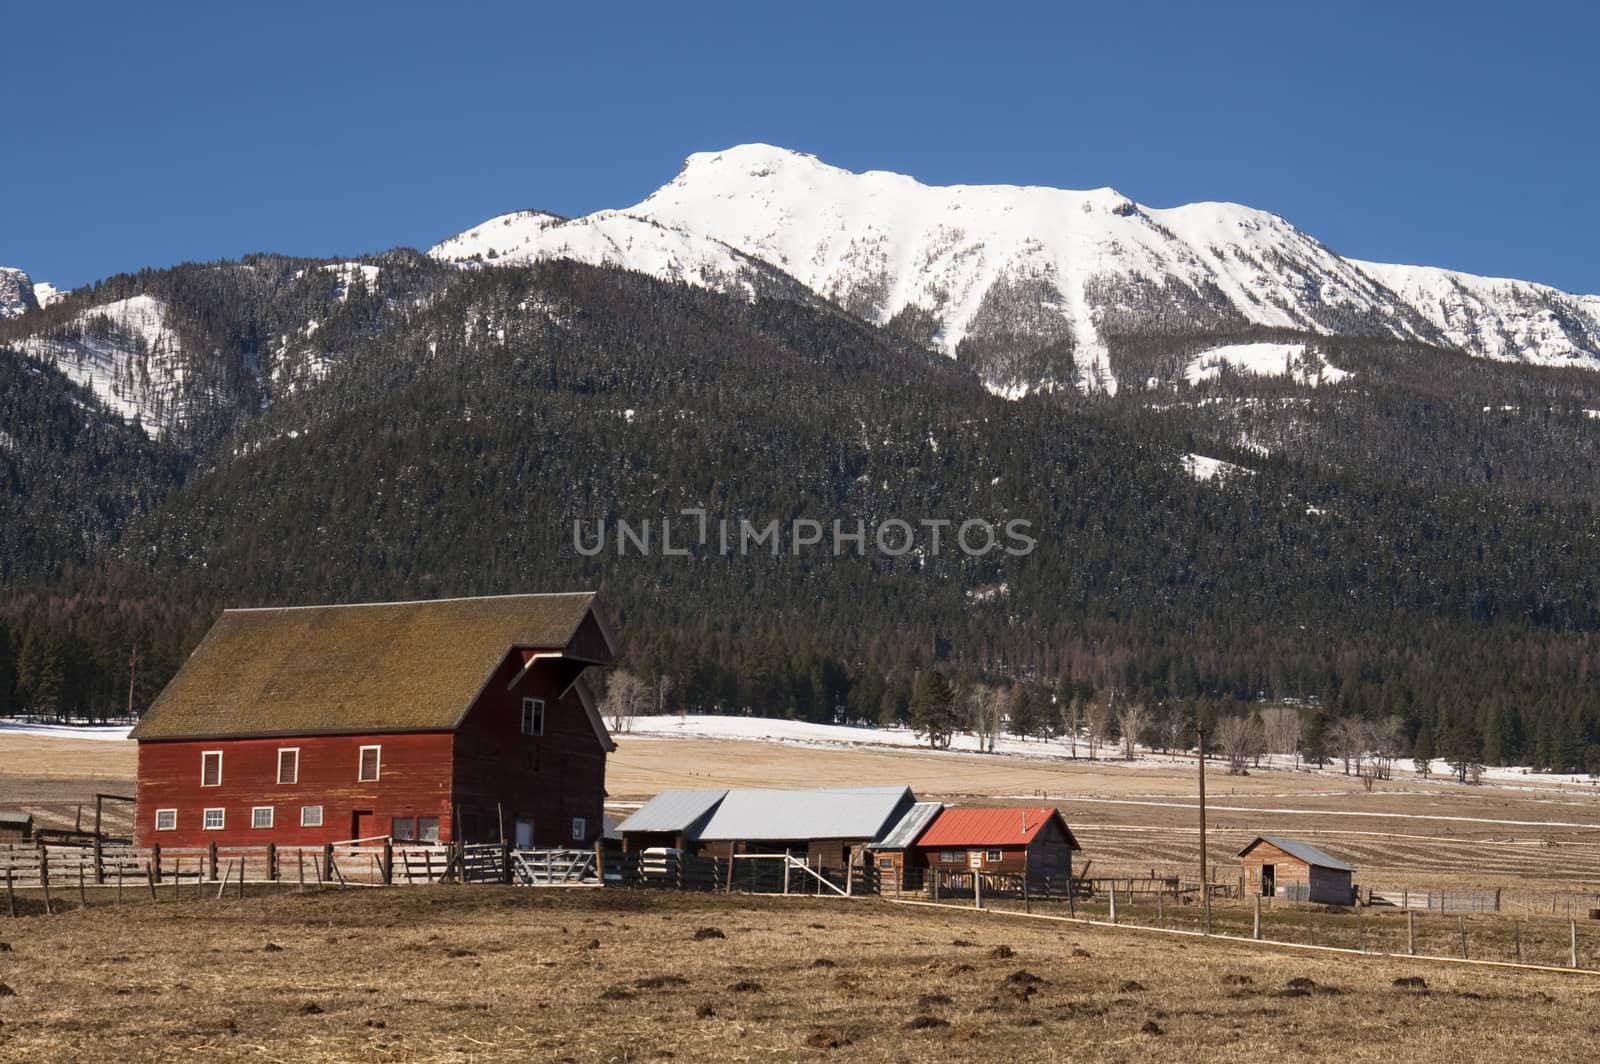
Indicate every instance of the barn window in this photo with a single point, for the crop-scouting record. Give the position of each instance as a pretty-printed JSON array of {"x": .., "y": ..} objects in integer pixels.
[
  {"x": 886, "y": 863},
  {"x": 289, "y": 764},
  {"x": 992, "y": 855},
  {"x": 427, "y": 829},
  {"x": 370, "y": 757},
  {"x": 214, "y": 819},
  {"x": 533, "y": 716},
  {"x": 403, "y": 829},
  {"x": 166, "y": 820},
  {"x": 261, "y": 816},
  {"x": 580, "y": 828},
  {"x": 953, "y": 857},
  {"x": 211, "y": 768},
  {"x": 311, "y": 816}
]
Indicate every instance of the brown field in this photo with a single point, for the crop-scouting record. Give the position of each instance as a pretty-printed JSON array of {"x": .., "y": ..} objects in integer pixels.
[
  {"x": 1539, "y": 841},
  {"x": 488, "y": 973}
]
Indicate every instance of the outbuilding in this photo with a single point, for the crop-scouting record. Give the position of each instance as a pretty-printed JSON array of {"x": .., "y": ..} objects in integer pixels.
[
  {"x": 1275, "y": 867},
  {"x": 16, "y": 826},
  {"x": 1032, "y": 841},
  {"x": 896, "y": 864},
  {"x": 435, "y": 721}
]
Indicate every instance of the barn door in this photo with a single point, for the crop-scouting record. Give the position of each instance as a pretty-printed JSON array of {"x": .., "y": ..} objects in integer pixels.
[
  {"x": 1269, "y": 881},
  {"x": 361, "y": 822}
]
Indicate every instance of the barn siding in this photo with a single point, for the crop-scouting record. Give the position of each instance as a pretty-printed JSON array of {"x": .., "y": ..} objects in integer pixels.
[
  {"x": 549, "y": 779},
  {"x": 413, "y": 780}
]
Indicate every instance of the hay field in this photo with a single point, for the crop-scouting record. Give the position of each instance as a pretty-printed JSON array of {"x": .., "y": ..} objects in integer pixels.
[{"x": 485, "y": 973}]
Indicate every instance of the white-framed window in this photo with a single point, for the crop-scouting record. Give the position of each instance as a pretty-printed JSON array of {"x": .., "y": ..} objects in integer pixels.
[
  {"x": 288, "y": 764},
  {"x": 166, "y": 820},
  {"x": 533, "y": 716},
  {"x": 580, "y": 828},
  {"x": 952, "y": 856},
  {"x": 371, "y": 764},
  {"x": 311, "y": 816},
  {"x": 215, "y": 819},
  {"x": 261, "y": 816},
  {"x": 211, "y": 768},
  {"x": 992, "y": 855}
]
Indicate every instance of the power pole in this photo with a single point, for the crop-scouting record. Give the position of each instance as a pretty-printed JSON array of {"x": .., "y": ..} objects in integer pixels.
[
  {"x": 133, "y": 667},
  {"x": 1205, "y": 884}
]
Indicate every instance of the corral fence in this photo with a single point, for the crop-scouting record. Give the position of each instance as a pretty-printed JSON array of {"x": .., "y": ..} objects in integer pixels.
[{"x": 1438, "y": 901}]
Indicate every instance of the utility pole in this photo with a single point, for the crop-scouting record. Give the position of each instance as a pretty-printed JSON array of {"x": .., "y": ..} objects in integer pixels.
[
  {"x": 1205, "y": 884},
  {"x": 133, "y": 668}
]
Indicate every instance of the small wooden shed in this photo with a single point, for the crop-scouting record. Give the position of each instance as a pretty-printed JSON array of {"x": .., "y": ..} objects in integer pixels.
[
  {"x": 15, "y": 826},
  {"x": 1034, "y": 842},
  {"x": 1276, "y": 867},
  {"x": 897, "y": 864}
]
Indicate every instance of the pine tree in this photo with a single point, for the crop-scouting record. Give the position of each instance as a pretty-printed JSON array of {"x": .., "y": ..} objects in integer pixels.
[
  {"x": 933, "y": 709},
  {"x": 1422, "y": 753}
]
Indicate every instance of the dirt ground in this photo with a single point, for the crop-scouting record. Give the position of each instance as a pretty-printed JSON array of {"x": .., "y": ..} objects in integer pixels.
[{"x": 486, "y": 973}]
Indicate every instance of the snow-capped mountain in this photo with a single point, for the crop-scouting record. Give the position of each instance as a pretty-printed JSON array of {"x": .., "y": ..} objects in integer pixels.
[
  {"x": 16, "y": 293},
  {"x": 1033, "y": 285},
  {"x": 613, "y": 238}
]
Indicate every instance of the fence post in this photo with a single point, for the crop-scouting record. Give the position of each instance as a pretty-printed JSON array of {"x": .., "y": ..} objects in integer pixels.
[
  {"x": 505, "y": 862},
  {"x": 300, "y": 862},
  {"x": 44, "y": 876},
  {"x": 1255, "y": 931},
  {"x": 936, "y": 886},
  {"x": 150, "y": 875},
  {"x": 177, "y": 876},
  {"x": 1461, "y": 925},
  {"x": 272, "y": 860},
  {"x": 83, "y": 896},
  {"x": 1574, "y": 955},
  {"x": 11, "y": 893},
  {"x": 1113, "y": 903},
  {"x": 1411, "y": 933},
  {"x": 1026, "y": 904},
  {"x": 211, "y": 861},
  {"x": 1516, "y": 940},
  {"x": 327, "y": 862},
  {"x": 241, "y": 875},
  {"x": 99, "y": 861},
  {"x": 977, "y": 889},
  {"x": 388, "y": 862},
  {"x": 152, "y": 867}
]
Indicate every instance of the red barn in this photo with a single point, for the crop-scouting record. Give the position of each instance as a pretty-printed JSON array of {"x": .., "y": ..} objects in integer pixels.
[
  {"x": 1033, "y": 841},
  {"x": 431, "y": 721}
]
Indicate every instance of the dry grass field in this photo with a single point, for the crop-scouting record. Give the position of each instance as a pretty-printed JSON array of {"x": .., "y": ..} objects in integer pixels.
[
  {"x": 486, "y": 973},
  {"x": 1538, "y": 838}
]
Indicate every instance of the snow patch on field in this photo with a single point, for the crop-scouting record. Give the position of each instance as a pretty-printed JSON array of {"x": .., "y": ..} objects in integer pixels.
[{"x": 65, "y": 731}]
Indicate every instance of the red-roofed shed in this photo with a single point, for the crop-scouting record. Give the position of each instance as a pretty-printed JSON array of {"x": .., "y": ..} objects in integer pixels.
[{"x": 1033, "y": 841}]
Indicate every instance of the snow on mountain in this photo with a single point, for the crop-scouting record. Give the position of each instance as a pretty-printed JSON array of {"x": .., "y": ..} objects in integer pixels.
[
  {"x": 1201, "y": 467},
  {"x": 126, "y": 353},
  {"x": 1499, "y": 318},
  {"x": 1298, "y": 362},
  {"x": 47, "y": 294},
  {"x": 612, "y": 238},
  {"x": 17, "y": 294},
  {"x": 1003, "y": 271}
]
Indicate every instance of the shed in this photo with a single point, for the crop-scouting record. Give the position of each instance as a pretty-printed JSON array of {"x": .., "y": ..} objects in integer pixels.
[
  {"x": 672, "y": 819},
  {"x": 1033, "y": 841},
  {"x": 1275, "y": 867},
  {"x": 828, "y": 825},
  {"x": 15, "y": 826},
  {"x": 896, "y": 863}
]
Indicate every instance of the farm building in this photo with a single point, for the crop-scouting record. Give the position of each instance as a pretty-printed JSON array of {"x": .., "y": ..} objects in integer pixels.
[
  {"x": 445, "y": 720},
  {"x": 1284, "y": 868},
  {"x": 1033, "y": 841},
  {"x": 889, "y": 853},
  {"x": 15, "y": 826},
  {"x": 829, "y": 827}
]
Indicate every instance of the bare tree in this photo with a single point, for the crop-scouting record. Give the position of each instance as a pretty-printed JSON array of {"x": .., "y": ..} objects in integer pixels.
[
  {"x": 1385, "y": 738},
  {"x": 986, "y": 706},
  {"x": 1132, "y": 721},
  {"x": 1240, "y": 736},
  {"x": 1282, "y": 727},
  {"x": 1098, "y": 716},
  {"x": 626, "y": 697},
  {"x": 1071, "y": 709},
  {"x": 1347, "y": 738}
]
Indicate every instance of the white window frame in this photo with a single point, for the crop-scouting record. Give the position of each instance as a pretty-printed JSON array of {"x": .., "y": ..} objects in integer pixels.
[
  {"x": 580, "y": 828},
  {"x": 220, "y": 825},
  {"x": 173, "y": 813},
  {"x": 305, "y": 820},
  {"x": 203, "y": 755},
  {"x": 255, "y": 816},
  {"x": 361, "y": 764},
  {"x": 295, "y": 750},
  {"x": 994, "y": 855},
  {"x": 533, "y": 716}
]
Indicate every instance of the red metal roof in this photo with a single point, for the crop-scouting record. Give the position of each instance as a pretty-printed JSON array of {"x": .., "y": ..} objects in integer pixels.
[{"x": 1011, "y": 826}]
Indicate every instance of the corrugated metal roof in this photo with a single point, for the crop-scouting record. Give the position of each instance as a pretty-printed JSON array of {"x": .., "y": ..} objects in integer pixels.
[
  {"x": 7, "y": 816},
  {"x": 1012, "y": 826},
  {"x": 1301, "y": 850},
  {"x": 905, "y": 832},
  {"x": 674, "y": 811},
  {"x": 783, "y": 816}
]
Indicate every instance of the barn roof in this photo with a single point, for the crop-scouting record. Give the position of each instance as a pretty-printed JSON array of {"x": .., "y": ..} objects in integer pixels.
[
  {"x": 1010, "y": 826},
  {"x": 375, "y": 667},
  {"x": 1303, "y": 851},
  {"x": 8, "y": 816},
  {"x": 677, "y": 811},
  {"x": 905, "y": 832},
  {"x": 825, "y": 813}
]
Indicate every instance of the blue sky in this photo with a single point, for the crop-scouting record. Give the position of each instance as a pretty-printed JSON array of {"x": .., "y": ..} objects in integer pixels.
[{"x": 1459, "y": 135}]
